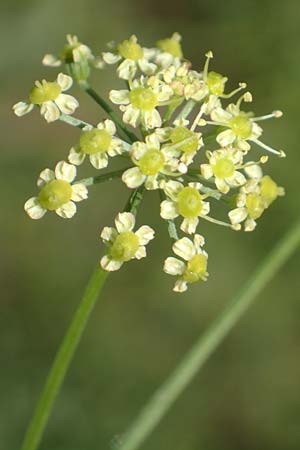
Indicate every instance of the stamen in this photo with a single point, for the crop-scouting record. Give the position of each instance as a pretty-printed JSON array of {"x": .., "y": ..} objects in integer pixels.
[
  {"x": 275, "y": 114},
  {"x": 198, "y": 117},
  {"x": 235, "y": 91},
  {"x": 209, "y": 55},
  {"x": 217, "y": 222},
  {"x": 280, "y": 153}
]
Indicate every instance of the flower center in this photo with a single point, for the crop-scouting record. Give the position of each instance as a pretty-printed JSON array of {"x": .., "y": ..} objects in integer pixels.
[
  {"x": 224, "y": 168},
  {"x": 268, "y": 190},
  {"x": 130, "y": 49},
  {"x": 241, "y": 126},
  {"x": 215, "y": 83},
  {"x": 44, "y": 92},
  {"x": 182, "y": 133},
  {"x": 125, "y": 246},
  {"x": 196, "y": 268},
  {"x": 171, "y": 46},
  {"x": 254, "y": 205},
  {"x": 55, "y": 194},
  {"x": 143, "y": 98},
  {"x": 95, "y": 141},
  {"x": 189, "y": 202},
  {"x": 152, "y": 162}
]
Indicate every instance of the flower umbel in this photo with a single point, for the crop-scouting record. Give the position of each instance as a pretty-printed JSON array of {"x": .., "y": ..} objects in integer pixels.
[{"x": 187, "y": 143}]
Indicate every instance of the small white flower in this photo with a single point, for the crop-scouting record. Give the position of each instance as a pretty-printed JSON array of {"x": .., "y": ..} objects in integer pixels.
[
  {"x": 123, "y": 243},
  {"x": 194, "y": 266},
  {"x": 253, "y": 199},
  {"x": 184, "y": 201},
  {"x": 50, "y": 98},
  {"x": 150, "y": 160},
  {"x": 132, "y": 57},
  {"x": 140, "y": 102},
  {"x": 223, "y": 165},
  {"x": 169, "y": 51},
  {"x": 73, "y": 51},
  {"x": 57, "y": 193},
  {"x": 183, "y": 144},
  {"x": 98, "y": 143}
]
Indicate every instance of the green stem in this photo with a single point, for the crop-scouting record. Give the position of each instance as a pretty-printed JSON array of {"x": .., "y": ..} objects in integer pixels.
[
  {"x": 165, "y": 396},
  {"x": 69, "y": 345},
  {"x": 186, "y": 110},
  {"x": 108, "y": 109},
  {"x": 62, "y": 360},
  {"x": 172, "y": 230},
  {"x": 70, "y": 120},
  {"x": 103, "y": 177}
]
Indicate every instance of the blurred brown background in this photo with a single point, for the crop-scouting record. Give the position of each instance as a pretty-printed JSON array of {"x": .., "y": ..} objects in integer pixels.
[{"x": 247, "y": 396}]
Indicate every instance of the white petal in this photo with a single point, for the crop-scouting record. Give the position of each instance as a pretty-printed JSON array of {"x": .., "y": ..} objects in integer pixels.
[
  {"x": 119, "y": 97},
  {"x": 145, "y": 234},
  {"x": 152, "y": 141},
  {"x": 180, "y": 286},
  {"x": 220, "y": 115},
  {"x": 99, "y": 160},
  {"x": 109, "y": 264},
  {"x": 250, "y": 224},
  {"x": 64, "y": 81},
  {"x": 256, "y": 131},
  {"x": 237, "y": 215},
  {"x": 184, "y": 248},
  {"x": 110, "y": 58},
  {"x": 125, "y": 222},
  {"x": 76, "y": 156},
  {"x": 66, "y": 103},
  {"x": 147, "y": 67},
  {"x": 127, "y": 69},
  {"x": 65, "y": 171},
  {"x": 50, "y": 111},
  {"x": 133, "y": 177},
  {"x": 189, "y": 225},
  {"x": 205, "y": 208},
  {"x": 109, "y": 234},
  {"x": 199, "y": 241},
  {"x": 237, "y": 179},
  {"x": 51, "y": 61},
  {"x": 138, "y": 150},
  {"x": 151, "y": 183},
  {"x": 168, "y": 210},
  {"x": 67, "y": 210},
  {"x": 225, "y": 138},
  {"x": 140, "y": 253},
  {"x": 45, "y": 176},
  {"x": 131, "y": 115},
  {"x": 110, "y": 127},
  {"x": 172, "y": 189},
  {"x": 222, "y": 185},
  {"x": 174, "y": 266},
  {"x": 34, "y": 209},
  {"x": 206, "y": 171},
  {"x": 152, "y": 119},
  {"x": 22, "y": 108},
  {"x": 117, "y": 147},
  {"x": 254, "y": 171},
  {"x": 79, "y": 192}
]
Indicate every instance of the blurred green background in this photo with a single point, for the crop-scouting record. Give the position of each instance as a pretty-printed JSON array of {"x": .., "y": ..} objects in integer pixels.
[{"x": 248, "y": 395}]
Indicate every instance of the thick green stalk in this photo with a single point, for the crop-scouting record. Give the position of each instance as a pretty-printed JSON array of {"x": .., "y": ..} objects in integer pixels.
[
  {"x": 103, "y": 177},
  {"x": 130, "y": 136},
  {"x": 62, "y": 360},
  {"x": 165, "y": 396},
  {"x": 69, "y": 345}
]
